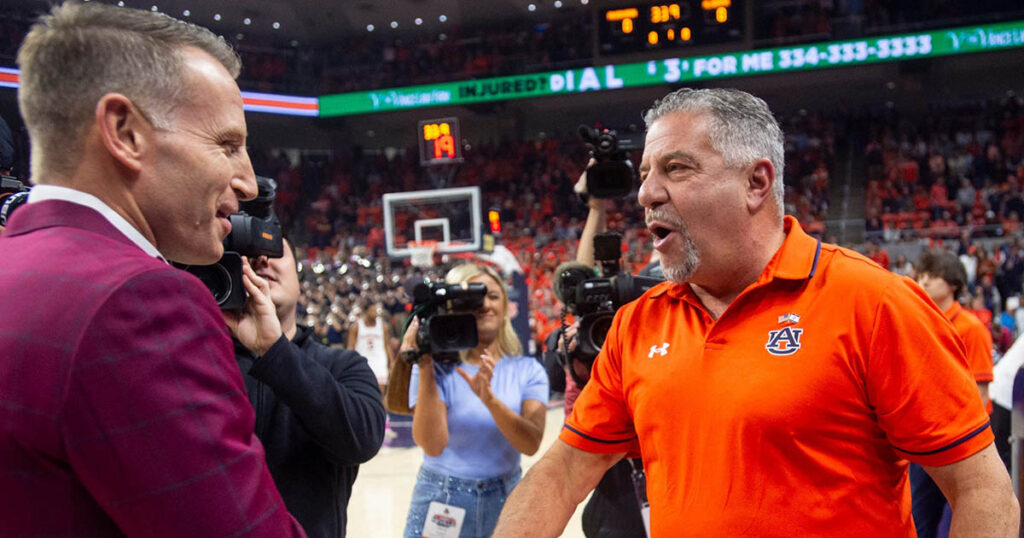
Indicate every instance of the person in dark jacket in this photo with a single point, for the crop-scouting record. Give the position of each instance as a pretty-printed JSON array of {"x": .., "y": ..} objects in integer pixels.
[{"x": 318, "y": 409}]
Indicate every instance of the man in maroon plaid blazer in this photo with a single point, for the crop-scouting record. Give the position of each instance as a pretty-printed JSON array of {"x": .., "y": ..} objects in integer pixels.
[{"x": 122, "y": 411}]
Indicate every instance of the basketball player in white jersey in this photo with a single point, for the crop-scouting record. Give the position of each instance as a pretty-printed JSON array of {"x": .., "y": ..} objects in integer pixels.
[{"x": 368, "y": 338}]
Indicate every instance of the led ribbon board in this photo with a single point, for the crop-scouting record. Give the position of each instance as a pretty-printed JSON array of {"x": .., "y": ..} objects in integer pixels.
[
  {"x": 823, "y": 55},
  {"x": 964, "y": 40},
  {"x": 280, "y": 104},
  {"x": 251, "y": 101},
  {"x": 8, "y": 77}
]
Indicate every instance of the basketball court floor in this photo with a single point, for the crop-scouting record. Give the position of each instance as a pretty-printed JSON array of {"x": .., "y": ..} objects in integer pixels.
[{"x": 380, "y": 497}]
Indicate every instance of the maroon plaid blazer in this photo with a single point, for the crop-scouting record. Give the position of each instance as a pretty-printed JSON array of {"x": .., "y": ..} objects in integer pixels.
[{"x": 122, "y": 411}]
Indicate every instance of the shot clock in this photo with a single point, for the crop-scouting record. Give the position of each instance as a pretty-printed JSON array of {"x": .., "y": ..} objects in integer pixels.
[
  {"x": 669, "y": 25},
  {"x": 440, "y": 142}
]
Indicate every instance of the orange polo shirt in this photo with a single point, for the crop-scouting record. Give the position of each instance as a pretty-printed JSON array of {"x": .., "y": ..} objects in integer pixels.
[
  {"x": 977, "y": 341},
  {"x": 794, "y": 413}
]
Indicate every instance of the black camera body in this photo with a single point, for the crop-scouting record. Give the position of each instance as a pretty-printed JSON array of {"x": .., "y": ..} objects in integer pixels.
[
  {"x": 612, "y": 175},
  {"x": 447, "y": 321},
  {"x": 13, "y": 194},
  {"x": 255, "y": 231},
  {"x": 595, "y": 300}
]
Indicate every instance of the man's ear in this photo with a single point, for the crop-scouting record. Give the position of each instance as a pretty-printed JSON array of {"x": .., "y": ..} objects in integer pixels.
[
  {"x": 760, "y": 184},
  {"x": 123, "y": 129}
]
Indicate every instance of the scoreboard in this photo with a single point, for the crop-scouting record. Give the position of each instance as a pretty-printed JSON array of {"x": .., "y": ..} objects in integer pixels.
[{"x": 669, "y": 25}]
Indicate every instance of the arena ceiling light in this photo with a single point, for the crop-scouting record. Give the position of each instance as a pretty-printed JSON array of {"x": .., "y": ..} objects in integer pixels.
[
  {"x": 394, "y": 24},
  {"x": 369, "y": 27},
  {"x": 443, "y": 18},
  {"x": 532, "y": 7},
  {"x": 418, "y": 21}
]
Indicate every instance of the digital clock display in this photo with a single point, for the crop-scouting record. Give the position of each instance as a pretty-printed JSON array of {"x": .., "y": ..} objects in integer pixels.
[
  {"x": 665, "y": 25},
  {"x": 440, "y": 141}
]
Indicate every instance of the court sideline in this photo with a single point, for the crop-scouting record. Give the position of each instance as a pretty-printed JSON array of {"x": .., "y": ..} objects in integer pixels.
[{"x": 380, "y": 497}]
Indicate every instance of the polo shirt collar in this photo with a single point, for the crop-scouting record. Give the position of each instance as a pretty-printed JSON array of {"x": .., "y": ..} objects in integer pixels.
[
  {"x": 796, "y": 259},
  {"x": 953, "y": 311}
]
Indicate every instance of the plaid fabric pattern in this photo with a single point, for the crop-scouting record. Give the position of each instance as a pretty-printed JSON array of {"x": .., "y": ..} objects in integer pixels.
[{"x": 122, "y": 411}]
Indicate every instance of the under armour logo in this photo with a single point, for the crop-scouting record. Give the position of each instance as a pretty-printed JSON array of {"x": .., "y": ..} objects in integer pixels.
[
  {"x": 662, "y": 350},
  {"x": 785, "y": 341}
]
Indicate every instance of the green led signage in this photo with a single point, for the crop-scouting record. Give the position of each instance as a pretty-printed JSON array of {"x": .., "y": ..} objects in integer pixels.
[{"x": 680, "y": 70}]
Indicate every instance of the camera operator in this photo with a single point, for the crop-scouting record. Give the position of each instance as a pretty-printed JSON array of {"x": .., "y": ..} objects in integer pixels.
[
  {"x": 776, "y": 385},
  {"x": 13, "y": 193},
  {"x": 472, "y": 430},
  {"x": 318, "y": 409},
  {"x": 613, "y": 510},
  {"x": 121, "y": 410},
  {"x": 6, "y": 148}
]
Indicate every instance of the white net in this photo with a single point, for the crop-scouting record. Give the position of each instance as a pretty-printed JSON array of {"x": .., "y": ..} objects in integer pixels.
[{"x": 422, "y": 253}]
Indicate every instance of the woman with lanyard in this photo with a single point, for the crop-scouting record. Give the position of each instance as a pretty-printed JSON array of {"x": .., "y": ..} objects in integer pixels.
[{"x": 472, "y": 420}]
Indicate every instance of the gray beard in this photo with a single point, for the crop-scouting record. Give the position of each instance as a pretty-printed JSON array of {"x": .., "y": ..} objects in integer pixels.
[{"x": 681, "y": 273}]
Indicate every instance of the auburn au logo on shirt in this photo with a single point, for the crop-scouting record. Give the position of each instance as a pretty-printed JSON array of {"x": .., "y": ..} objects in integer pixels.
[{"x": 784, "y": 341}]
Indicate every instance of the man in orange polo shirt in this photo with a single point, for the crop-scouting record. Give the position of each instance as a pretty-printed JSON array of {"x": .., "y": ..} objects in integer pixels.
[
  {"x": 943, "y": 277},
  {"x": 776, "y": 386}
]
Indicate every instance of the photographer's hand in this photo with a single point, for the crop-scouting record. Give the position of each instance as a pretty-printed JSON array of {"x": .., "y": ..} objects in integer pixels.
[
  {"x": 570, "y": 336},
  {"x": 429, "y": 414},
  {"x": 580, "y": 188},
  {"x": 256, "y": 326},
  {"x": 597, "y": 219},
  {"x": 481, "y": 382}
]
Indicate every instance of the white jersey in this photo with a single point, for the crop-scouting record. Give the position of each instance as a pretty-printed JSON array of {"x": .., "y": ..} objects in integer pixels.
[{"x": 370, "y": 344}]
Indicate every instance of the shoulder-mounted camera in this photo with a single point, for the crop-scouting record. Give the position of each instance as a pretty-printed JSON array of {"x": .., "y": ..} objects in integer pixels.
[
  {"x": 596, "y": 299},
  {"x": 447, "y": 319},
  {"x": 612, "y": 175},
  {"x": 255, "y": 231},
  {"x": 13, "y": 194}
]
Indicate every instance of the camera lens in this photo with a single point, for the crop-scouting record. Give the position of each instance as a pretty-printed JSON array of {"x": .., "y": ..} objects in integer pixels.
[
  {"x": 599, "y": 330},
  {"x": 216, "y": 278}
]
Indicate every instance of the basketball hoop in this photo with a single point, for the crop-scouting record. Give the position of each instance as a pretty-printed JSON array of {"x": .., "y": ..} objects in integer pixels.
[{"x": 422, "y": 253}]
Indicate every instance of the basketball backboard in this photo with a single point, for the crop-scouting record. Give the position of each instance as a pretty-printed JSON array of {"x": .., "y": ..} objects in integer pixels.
[{"x": 451, "y": 217}]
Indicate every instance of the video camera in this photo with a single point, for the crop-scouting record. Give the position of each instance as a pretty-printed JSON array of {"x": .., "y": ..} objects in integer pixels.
[
  {"x": 612, "y": 175},
  {"x": 447, "y": 321},
  {"x": 13, "y": 194},
  {"x": 595, "y": 300},
  {"x": 255, "y": 231}
]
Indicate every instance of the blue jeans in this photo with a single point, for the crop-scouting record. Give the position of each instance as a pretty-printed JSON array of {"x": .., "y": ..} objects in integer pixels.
[{"x": 482, "y": 500}]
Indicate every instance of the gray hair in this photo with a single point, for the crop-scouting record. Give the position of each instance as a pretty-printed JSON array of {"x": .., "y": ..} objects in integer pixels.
[
  {"x": 78, "y": 53},
  {"x": 741, "y": 128}
]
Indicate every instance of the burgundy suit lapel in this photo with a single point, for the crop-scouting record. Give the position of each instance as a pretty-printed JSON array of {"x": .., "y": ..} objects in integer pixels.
[{"x": 55, "y": 213}]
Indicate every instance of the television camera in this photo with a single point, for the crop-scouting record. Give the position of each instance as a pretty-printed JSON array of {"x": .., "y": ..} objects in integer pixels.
[
  {"x": 13, "y": 194},
  {"x": 612, "y": 175},
  {"x": 596, "y": 299},
  {"x": 255, "y": 231},
  {"x": 447, "y": 319}
]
